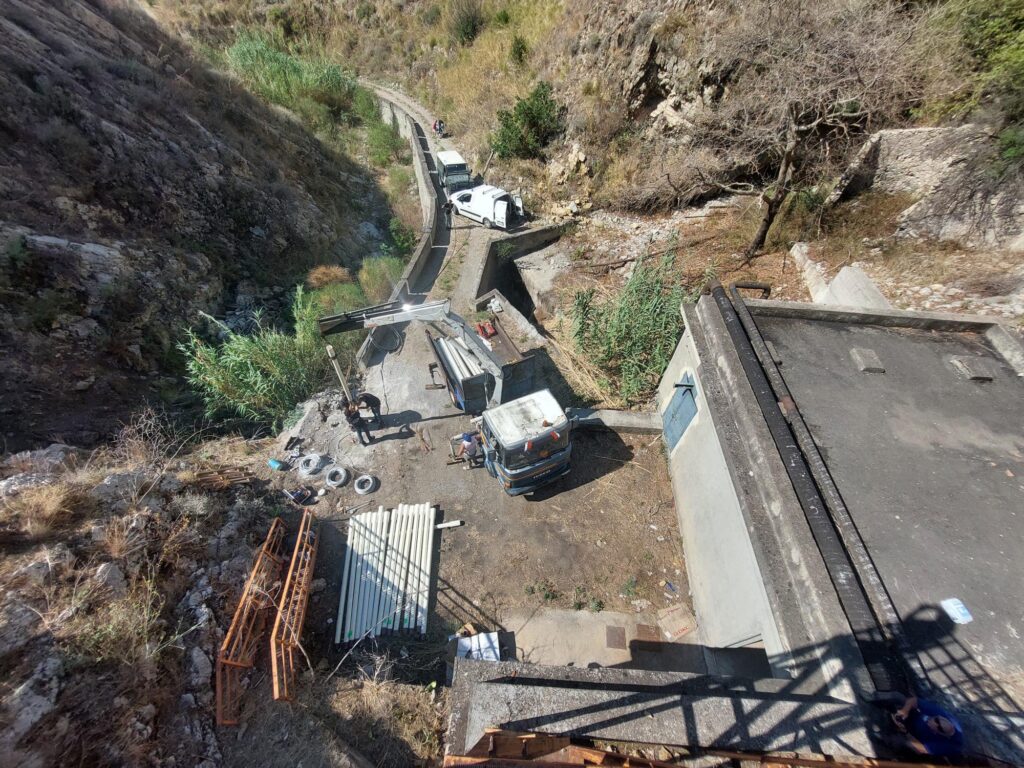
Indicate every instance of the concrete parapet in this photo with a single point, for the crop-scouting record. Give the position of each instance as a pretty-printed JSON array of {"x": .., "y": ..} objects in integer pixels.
[{"x": 674, "y": 709}]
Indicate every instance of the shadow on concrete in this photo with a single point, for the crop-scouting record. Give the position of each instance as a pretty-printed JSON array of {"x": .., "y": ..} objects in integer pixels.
[{"x": 990, "y": 716}]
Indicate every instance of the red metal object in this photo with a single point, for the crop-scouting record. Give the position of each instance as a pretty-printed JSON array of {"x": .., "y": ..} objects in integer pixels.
[
  {"x": 286, "y": 635},
  {"x": 241, "y": 641}
]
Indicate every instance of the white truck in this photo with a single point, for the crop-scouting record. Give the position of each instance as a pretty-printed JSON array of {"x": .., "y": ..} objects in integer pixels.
[
  {"x": 453, "y": 172},
  {"x": 491, "y": 206}
]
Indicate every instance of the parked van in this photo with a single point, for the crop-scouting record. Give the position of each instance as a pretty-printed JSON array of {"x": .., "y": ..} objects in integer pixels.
[
  {"x": 453, "y": 172},
  {"x": 489, "y": 205}
]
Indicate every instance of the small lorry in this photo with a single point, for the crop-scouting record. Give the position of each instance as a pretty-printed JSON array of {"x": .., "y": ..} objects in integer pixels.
[
  {"x": 491, "y": 206},
  {"x": 453, "y": 172},
  {"x": 527, "y": 442}
]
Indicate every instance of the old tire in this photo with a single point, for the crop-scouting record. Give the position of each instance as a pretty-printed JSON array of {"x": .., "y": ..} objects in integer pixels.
[
  {"x": 310, "y": 464},
  {"x": 365, "y": 484},
  {"x": 336, "y": 476}
]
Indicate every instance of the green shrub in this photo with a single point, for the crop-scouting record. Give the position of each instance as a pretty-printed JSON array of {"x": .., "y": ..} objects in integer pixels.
[
  {"x": 335, "y": 298},
  {"x": 378, "y": 276},
  {"x": 631, "y": 336},
  {"x": 385, "y": 144},
  {"x": 1011, "y": 147},
  {"x": 264, "y": 375},
  {"x": 365, "y": 106},
  {"x": 466, "y": 20},
  {"x": 530, "y": 126},
  {"x": 518, "y": 51},
  {"x": 503, "y": 18},
  {"x": 404, "y": 238},
  {"x": 298, "y": 83}
]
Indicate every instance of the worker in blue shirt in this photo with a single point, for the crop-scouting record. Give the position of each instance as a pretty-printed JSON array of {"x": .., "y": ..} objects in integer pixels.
[{"x": 928, "y": 729}]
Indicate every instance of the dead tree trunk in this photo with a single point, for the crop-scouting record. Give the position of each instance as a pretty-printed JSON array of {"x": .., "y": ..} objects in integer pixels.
[{"x": 774, "y": 198}]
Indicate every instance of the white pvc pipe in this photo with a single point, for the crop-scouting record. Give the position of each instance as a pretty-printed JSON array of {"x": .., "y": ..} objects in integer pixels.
[
  {"x": 344, "y": 581},
  {"x": 373, "y": 626},
  {"x": 405, "y": 581},
  {"x": 390, "y": 595},
  {"x": 358, "y": 576},
  {"x": 431, "y": 519},
  {"x": 394, "y": 604},
  {"x": 369, "y": 556},
  {"x": 412, "y": 616},
  {"x": 355, "y": 574}
]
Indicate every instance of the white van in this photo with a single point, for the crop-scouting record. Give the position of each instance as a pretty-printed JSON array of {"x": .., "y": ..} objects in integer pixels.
[
  {"x": 491, "y": 206},
  {"x": 453, "y": 172}
]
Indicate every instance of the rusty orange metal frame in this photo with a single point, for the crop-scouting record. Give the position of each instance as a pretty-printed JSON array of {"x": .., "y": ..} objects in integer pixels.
[
  {"x": 238, "y": 651},
  {"x": 509, "y": 749},
  {"x": 291, "y": 610}
]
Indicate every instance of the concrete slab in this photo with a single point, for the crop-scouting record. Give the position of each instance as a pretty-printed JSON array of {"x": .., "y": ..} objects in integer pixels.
[
  {"x": 930, "y": 465},
  {"x": 557, "y": 637},
  {"x": 650, "y": 707},
  {"x": 641, "y": 422}
]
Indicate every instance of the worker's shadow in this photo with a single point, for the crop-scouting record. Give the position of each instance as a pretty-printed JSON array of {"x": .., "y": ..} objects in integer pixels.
[{"x": 401, "y": 425}]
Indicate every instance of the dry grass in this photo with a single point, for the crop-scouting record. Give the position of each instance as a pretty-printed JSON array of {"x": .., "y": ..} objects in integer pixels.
[
  {"x": 124, "y": 538},
  {"x": 392, "y": 723},
  {"x": 482, "y": 78},
  {"x": 146, "y": 440},
  {"x": 327, "y": 274},
  {"x": 128, "y": 630},
  {"x": 39, "y": 511}
]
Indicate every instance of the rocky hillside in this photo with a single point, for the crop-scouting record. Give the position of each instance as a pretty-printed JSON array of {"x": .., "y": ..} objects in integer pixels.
[{"x": 137, "y": 187}]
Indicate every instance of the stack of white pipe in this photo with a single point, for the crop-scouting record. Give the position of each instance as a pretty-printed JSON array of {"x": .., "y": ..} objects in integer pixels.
[{"x": 385, "y": 582}]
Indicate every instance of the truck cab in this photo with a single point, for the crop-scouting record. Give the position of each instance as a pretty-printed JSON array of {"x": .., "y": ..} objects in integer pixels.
[
  {"x": 527, "y": 442},
  {"x": 453, "y": 172},
  {"x": 491, "y": 206}
]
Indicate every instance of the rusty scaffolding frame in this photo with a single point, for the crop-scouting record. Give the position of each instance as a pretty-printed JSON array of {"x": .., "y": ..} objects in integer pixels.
[
  {"x": 508, "y": 749},
  {"x": 241, "y": 642},
  {"x": 291, "y": 610}
]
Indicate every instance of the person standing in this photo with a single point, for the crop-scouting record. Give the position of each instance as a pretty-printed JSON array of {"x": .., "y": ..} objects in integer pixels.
[
  {"x": 470, "y": 450},
  {"x": 372, "y": 402},
  {"x": 449, "y": 210},
  {"x": 358, "y": 424}
]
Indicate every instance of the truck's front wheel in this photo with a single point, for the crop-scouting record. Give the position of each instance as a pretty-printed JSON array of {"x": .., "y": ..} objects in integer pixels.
[{"x": 487, "y": 223}]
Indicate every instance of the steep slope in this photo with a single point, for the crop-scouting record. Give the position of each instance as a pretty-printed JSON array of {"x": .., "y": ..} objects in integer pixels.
[{"x": 137, "y": 187}]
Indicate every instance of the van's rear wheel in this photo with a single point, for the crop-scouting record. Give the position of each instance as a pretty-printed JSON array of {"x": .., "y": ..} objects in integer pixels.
[{"x": 487, "y": 223}]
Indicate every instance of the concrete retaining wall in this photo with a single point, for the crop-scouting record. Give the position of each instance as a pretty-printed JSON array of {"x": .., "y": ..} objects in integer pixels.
[
  {"x": 728, "y": 592},
  {"x": 511, "y": 247},
  {"x": 392, "y": 113}
]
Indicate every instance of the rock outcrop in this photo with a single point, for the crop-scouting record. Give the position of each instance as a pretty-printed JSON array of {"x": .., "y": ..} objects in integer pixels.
[
  {"x": 954, "y": 175},
  {"x": 137, "y": 187}
]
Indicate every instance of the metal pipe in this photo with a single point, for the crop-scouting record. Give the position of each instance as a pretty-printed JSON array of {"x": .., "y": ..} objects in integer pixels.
[{"x": 867, "y": 633}]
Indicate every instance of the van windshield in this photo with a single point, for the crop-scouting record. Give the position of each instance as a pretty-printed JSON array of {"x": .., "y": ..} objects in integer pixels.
[
  {"x": 456, "y": 168},
  {"x": 540, "y": 449}
]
